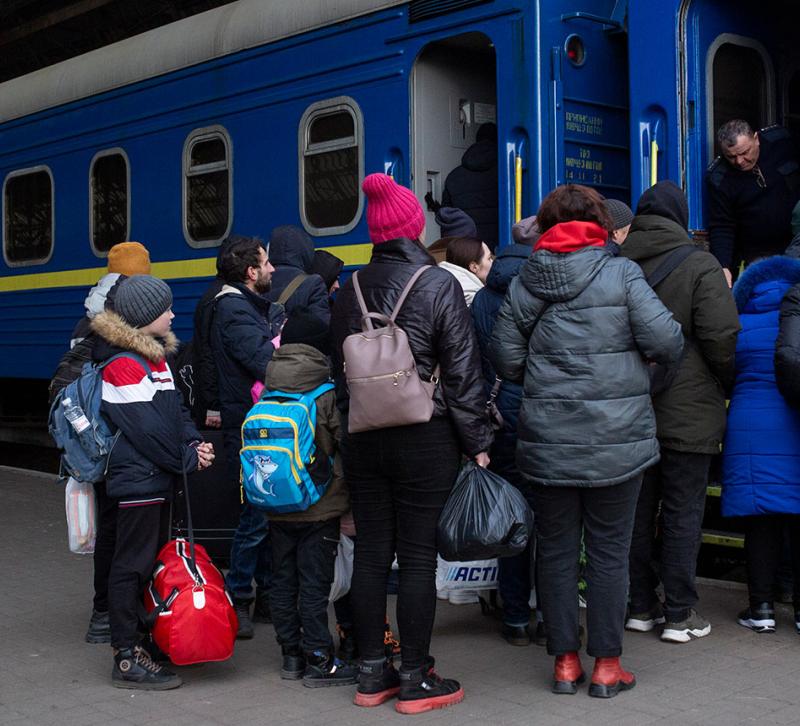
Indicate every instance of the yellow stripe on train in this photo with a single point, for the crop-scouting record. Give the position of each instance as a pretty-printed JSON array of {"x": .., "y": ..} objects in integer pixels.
[{"x": 357, "y": 254}]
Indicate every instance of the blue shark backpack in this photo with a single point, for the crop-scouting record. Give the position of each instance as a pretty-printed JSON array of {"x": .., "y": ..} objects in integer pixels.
[
  {"x": 84, "y": 455},
  {"x": 281, "y": 472}
]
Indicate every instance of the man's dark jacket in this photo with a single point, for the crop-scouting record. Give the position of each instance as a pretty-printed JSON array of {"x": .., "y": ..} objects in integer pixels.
[
  {"x": 472, "y": 187},
  {"x": 690, "y": 414},
  {"x": 484, "y": 311},
  {"x": 203, "y": 364},
  {"x": 437, "y": 322},
  {"x": 244, "y": 325},
  {"x": 291, "y": 253},
  {"x": 745, "y": 221}
]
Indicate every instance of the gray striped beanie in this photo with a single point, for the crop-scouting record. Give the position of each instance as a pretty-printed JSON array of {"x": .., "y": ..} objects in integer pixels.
[{"x": 141, "y": 299}]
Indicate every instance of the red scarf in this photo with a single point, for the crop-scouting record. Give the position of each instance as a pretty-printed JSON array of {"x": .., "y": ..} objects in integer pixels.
[{"x": 572, "y": 236}]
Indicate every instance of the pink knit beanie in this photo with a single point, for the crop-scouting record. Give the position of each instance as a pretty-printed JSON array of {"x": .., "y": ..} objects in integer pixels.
[{"x": 392, "y": 210}]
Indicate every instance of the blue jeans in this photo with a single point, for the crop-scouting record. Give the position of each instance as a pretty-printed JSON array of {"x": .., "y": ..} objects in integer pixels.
[{"x": 251, "y": 557}]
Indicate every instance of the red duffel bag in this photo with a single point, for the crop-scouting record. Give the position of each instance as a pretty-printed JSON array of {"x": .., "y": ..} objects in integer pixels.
[{"x": 190, "y": 611}]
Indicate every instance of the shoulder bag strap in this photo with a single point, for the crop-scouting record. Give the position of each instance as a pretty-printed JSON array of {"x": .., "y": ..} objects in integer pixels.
[
  {"x": 406, "y": 290},
  {"x": 668, "y": 266},
  {"x": 291, "y": 288}
]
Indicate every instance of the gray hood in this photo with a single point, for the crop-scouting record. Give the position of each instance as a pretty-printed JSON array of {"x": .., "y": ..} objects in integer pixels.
[{"x": 558, "y": 276}]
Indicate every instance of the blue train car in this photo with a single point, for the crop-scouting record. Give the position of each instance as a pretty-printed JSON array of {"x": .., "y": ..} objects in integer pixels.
[{"x": 264, "y": 113}]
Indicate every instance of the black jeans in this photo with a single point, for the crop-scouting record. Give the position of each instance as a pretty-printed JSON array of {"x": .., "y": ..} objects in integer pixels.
[
  {"x": 605, "y": 514},
  {"x": 104, "y": 545},
  {"x": 679, "y": 482},
  {"x": 140, "y": 533},
  {"x": 763, "y": 544},
  {"x": 399, "y": 481},
  {"x": 303, "y": 556}
]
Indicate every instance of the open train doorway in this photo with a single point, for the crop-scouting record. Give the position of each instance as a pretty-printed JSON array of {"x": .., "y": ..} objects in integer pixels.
[{"x": 453, "y": 96}]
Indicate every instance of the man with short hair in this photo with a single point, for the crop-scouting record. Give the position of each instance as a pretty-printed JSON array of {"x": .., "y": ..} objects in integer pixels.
[
  {"x": 243, "y": 338},
  {"x": 752, "y": 189}
]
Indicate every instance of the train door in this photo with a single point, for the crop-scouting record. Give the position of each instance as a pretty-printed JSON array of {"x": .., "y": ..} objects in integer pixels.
[
  {"x": 740, "y": 61},
  {"x": 453, "y": 93}
]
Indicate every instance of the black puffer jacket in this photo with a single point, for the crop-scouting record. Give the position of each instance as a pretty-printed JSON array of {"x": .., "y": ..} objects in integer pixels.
[
  {"x": 439, "y": 329},
  {"x": 241, "y": 338},
  {"x": 586, "y": 416},
  {"x": 291, "y": 253},
  {"x": 787, "y": 348}
]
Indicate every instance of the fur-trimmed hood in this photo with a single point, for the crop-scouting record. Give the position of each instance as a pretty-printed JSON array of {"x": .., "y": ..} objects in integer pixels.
[
  {"x": 119, "y": 334},
  {"x": 762, "y": 282}
]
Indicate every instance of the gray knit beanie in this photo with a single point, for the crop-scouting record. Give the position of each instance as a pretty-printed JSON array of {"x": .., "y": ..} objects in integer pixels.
[
  {"x": 526, "y": 232},
  {"x": 141, "y": 299},
  {"x": 620, "y": 213}
]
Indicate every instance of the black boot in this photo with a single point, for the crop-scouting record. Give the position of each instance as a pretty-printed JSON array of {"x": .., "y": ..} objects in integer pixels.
[
  {"x": 261, "y": 611},
  {"x": 99, "y": 628},
  {"x": 324, "y": 669},
  {"x": 294, "y": 663},
  {"x": 348, "y": 649},
  {"x": 242, "y": 608},
  {"x": 134, "y": 668},
  {"x": 422, "y": 689},
  {"x": 378, "y": 681}
]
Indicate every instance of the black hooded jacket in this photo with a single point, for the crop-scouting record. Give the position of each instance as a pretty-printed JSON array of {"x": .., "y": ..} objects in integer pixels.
[
  {"x": 472, "y": 187},
  {"x": 291, "y": 253},
  {"x": 690, "y": 414},
  {"x": 437, "y": 322}
]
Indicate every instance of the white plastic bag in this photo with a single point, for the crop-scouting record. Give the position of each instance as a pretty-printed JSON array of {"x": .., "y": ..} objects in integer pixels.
[
  {"x": 81, "y": 516},
  {"x": 343, "y": 568},
  {"x": 474, "y": 575}
]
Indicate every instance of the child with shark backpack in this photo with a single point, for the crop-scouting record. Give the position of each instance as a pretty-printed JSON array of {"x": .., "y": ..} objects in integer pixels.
[{"x": 291, "y": 469}]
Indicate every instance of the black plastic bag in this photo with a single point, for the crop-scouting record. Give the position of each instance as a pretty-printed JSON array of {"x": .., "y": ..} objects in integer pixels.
[{"x": 484, "y": 517}]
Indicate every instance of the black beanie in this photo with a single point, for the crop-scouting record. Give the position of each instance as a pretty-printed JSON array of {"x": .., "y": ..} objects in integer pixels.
[
  {"x": 327, "y": 266},
  {"x": 665, "y": 199},
  {"x": 141, "y": 299},
  {"x": 454, "y": 222},
  {"x": 304, "y": 327}
]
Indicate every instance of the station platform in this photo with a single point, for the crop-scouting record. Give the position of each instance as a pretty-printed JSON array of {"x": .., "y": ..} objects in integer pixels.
[{"x": 49, "y": 675}]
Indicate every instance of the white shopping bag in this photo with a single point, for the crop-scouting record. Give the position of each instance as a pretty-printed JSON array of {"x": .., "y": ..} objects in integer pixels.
[
  {"x": 343, "y": 568},
  {"x": 81, "y": 516},
  {"x": 475, "y": 575}
]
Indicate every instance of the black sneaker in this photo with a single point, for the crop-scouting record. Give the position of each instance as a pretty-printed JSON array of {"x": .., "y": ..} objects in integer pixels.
[
  {"x": 516, "y": 634},
  {"x": 294, "y": 663},
  {"x": 760, "y": 618},
  {"x": 422, "y": 689},
  {"x": 378, "y": 681},
  {"x": 693, "y": 627},
  {"x": 99, "y": 628},
  {"x": 323, "y": 669},
  {"x": 261, "y": 610},
  {"x": 643, "y": 621},
  {"x": 348, "y": 649},
  {"x": 245, "y": 631},
  {"x": 134, "y": 668}
]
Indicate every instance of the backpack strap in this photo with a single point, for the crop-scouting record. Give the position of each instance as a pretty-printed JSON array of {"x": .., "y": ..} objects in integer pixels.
[
  {"x": 291, "y": 288},
  {"x": 406, "y": 290},
  {"x": 367, "y": 316},
  {"x": 672, "y": 261}
]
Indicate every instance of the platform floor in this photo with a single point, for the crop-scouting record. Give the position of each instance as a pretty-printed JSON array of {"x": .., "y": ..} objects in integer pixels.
[{"x": 48, "y": 675}]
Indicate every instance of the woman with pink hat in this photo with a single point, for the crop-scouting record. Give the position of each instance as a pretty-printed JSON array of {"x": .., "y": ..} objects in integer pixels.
[{"x": 400, "y": 477}]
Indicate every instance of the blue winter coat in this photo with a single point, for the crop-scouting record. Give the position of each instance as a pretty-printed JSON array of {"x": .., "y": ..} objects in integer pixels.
[
  {"x": 761, "y": 453},
  {"x": 484, "y": 311}
]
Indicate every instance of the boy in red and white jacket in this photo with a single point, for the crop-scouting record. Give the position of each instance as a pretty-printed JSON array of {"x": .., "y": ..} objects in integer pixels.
[{"x": 156, "y": 442}]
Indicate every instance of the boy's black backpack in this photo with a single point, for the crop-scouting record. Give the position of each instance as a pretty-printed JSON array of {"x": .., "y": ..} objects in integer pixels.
[
  {"x": 661, "y": 376},
  {"x": 70, "y": 366}
]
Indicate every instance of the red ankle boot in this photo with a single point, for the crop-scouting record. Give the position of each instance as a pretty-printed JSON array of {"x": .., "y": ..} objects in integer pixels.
[
  {"x": 568, "y": 673},
  {"x": 609, "y": 678}
]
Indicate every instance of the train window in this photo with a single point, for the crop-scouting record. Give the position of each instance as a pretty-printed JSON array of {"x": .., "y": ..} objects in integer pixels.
[
  {"x": 28, "y": 216},
  {"x": 741, "y": 83},
  {"x": 109, "y": 181},
  {"x": 331, "y": 141},
  {"x": 207, "y": 190}
]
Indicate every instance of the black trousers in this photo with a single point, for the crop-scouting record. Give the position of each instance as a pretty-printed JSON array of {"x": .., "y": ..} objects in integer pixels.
[
  {"x": 140, "y": 533},
  {"x": 303, "y": 556},
  {"x": 104, "y": 545},
  {"x": 605, "y": 515},
  {"x": 679, "y": 483},
  {"x": 763, "y": 544},
  {"x": 399, "y": 481}
]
